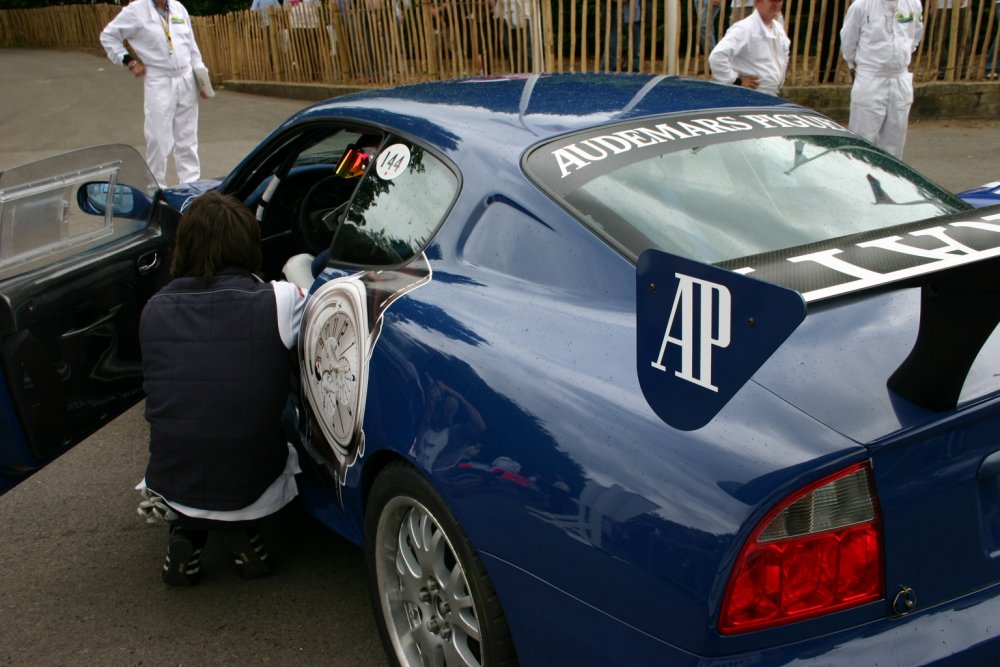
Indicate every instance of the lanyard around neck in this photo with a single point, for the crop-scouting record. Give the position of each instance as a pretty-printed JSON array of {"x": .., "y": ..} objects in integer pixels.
[{"x": 165, "y": 23}]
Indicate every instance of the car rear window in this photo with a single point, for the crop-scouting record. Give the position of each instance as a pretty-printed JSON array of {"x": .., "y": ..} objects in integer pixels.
[{"x": 723, "y": 185}]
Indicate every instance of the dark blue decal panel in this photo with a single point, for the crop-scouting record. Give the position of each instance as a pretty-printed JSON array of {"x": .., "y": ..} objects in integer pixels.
[{"x": 702, "y": 332}]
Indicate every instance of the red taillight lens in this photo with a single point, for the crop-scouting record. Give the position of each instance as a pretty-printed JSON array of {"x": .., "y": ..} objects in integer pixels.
[{"x": 817, "y": 552}]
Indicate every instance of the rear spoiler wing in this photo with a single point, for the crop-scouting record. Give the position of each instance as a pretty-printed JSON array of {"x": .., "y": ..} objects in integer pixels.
[{"x": 703, "y": 330}]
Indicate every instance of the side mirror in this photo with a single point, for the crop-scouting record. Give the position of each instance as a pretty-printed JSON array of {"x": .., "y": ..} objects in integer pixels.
[{"x": 94, "y": 198}]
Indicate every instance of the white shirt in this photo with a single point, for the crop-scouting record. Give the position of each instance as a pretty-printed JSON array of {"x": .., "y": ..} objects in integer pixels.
[
  {"x": 281, "y": 492},
  {"x": 750, "y": 47},
  {"x": 880, "y": 36},
  {"x": 140, "y": 23},
  {"x": 291, "y": 301}
]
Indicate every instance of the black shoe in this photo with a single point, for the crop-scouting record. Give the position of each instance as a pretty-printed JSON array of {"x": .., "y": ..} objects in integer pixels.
[
  {"x": 182, "y": 566},
  {"x": 249, "y": 554}
]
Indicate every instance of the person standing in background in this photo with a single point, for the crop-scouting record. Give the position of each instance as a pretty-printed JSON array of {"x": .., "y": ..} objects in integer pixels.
[
  {"x": 945, "y": 16},
  {"x": 517, "y": 38},
  {"x": 631, "y": 16},
  {"x": 992, "y": 66},
  {"x": 262, "y": 7},
  {"x": 739, "y": 10},
  {"x": 754, "y": 51},
  {"x": 878, "y": 40},
  {"x": 708, "y": 13},
  {"x": 305, "y": 23},
  {"x": 164, "y": 55}
]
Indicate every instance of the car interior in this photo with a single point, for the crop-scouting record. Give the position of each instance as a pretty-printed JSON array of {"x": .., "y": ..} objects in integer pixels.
[
  {"x": 349, "y": 197},
  {"x": 300, "y": 189}
]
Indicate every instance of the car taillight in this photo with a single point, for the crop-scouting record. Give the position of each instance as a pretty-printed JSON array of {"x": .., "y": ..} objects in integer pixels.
[{"x": 818, "y": 551}]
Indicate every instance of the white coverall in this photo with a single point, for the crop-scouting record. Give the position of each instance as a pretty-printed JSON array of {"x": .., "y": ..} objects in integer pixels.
[
  {"x": 877, "y": 39},
  {"x": 168, "y": 52},
  {"x": 749, "y": 47}
]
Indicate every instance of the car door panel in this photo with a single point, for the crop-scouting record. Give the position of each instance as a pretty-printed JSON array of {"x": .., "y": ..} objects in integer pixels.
[{"x": 88, "y": 251}]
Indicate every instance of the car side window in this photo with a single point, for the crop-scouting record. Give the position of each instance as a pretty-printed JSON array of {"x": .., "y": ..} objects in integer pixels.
[
  {"x": 405, "y": 194},
  {"x": 328, "y": 150}
]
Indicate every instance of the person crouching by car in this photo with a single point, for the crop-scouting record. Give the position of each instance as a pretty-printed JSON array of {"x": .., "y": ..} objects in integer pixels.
[{"x": 216, "y": 365}]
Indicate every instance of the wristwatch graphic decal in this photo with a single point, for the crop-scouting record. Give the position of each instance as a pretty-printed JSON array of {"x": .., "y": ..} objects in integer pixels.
[
  {"x": 340, "y": 328},
  {"x": 334, "y": 357}
]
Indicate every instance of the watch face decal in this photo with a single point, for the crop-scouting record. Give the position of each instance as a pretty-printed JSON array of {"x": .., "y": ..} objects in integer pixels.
[
  {"x": 335, "y": 334},
  {"x": 340, "y": 327},
  {"x": 337, "y": 369}
]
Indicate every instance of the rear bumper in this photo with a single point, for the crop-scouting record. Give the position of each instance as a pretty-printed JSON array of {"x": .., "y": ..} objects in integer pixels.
[
  {"x": 965, "y": 631},
  {"x": 555, "y": 629}
]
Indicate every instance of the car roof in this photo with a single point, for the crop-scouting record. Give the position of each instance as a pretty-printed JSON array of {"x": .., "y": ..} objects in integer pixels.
[{"x": 518, "y": 111}]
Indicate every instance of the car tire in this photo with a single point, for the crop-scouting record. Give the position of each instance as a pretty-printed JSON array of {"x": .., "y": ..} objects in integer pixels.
[{"x": 432, "y": 598}]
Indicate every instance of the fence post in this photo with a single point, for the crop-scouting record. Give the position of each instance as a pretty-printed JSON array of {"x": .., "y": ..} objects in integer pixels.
[
  {"x": 433, "y": 67},
  {"x": 671, "y": 30}
]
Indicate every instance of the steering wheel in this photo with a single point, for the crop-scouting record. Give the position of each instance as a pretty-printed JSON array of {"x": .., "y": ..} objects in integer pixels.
[{"x": 320, "y": 211}]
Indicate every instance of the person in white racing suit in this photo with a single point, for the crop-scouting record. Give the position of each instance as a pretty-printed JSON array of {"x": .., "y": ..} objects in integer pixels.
[
  {"x": 164, "y": 54},
  {"x": 754, "y": 51},
  {"x": 878, "y": 39}
]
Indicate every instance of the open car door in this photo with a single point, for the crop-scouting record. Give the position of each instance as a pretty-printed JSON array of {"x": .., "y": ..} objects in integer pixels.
[{"x": 84, "y": 242}]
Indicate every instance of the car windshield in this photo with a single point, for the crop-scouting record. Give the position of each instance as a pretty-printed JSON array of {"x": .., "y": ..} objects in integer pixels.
[{"x": 720, "y": 187}]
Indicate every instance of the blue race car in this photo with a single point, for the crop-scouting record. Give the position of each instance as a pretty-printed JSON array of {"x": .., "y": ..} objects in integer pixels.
[{"x": 597, "y": 370}]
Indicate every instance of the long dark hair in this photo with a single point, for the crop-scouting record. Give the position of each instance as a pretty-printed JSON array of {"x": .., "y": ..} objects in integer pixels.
[{"x": 216, "y": 231}]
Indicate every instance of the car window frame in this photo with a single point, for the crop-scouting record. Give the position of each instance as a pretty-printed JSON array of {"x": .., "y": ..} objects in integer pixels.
[{"x": 391, "y": 136}]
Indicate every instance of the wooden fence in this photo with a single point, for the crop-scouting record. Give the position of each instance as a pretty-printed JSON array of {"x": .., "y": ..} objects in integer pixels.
[{"x": 385, "y": 42}]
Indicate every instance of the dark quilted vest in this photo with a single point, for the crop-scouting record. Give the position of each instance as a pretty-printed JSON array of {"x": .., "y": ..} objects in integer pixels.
[{"x": 216, "y": 377}]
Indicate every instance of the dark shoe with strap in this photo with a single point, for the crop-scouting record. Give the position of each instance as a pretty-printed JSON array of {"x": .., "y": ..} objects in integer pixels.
[
  {"x": 249, "y": 553},
  {"x": 182, "y": 566}
]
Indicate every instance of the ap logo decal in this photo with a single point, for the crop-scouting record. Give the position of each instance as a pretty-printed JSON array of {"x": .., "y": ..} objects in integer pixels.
[{"x": 702, "y": 332}]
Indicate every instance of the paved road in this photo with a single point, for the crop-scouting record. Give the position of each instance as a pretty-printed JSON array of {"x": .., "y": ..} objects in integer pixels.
[{"x": 78, "y": 568}]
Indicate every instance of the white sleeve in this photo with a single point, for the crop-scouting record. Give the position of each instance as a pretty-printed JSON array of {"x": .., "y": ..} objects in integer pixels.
[
  {"x": 720, "y": 60},
  {"x": 850, "y": 33},
  {"x": 196, "y": 59},
  {"x": 291, "y": 301},
  {"x": 115, "y": 33}
]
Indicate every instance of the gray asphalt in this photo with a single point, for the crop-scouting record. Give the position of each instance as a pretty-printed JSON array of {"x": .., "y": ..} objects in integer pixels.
[{"x": 79, "y": 577}]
